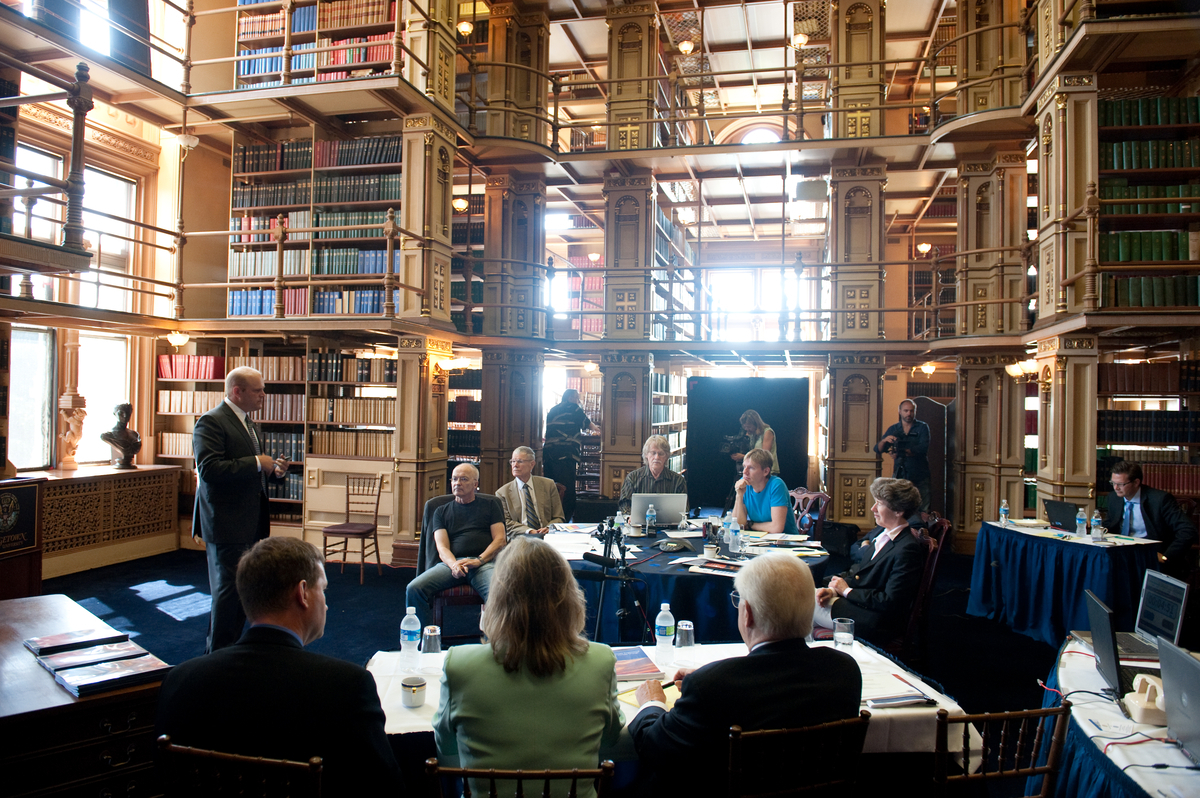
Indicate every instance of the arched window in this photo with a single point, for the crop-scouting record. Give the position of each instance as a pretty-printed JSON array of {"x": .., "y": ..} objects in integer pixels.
[{"x": 760, "y": 135}]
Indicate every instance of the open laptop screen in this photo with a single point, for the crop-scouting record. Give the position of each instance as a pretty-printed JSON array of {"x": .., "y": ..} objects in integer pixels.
[
  {"x": 669, "y": 507},
  {"x": 1160, "y": 613},
  {"x": 1061, "y": 515},
  {"x": 1181, "y": 691},
  {"x": 1104, "y": 643}
]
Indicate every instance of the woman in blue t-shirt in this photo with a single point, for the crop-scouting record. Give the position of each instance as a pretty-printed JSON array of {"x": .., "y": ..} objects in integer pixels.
[{"x": 762, "y": 499}]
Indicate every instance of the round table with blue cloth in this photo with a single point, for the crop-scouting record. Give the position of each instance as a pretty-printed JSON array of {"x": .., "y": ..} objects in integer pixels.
[
  {"x": 702, "y": 599},
  {"x": 1035, "y": 584}
]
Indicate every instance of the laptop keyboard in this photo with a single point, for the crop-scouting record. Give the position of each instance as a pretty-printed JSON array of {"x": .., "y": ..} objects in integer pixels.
[{"x": 1130, "y": 644}]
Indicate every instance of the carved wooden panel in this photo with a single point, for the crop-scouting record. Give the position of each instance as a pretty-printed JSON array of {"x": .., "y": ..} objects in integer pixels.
[{"x": 84, "y": 512}]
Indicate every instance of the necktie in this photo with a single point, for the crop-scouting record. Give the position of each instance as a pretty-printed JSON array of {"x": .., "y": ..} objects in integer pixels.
[
  {"x": 1128, "y": 520},
  {"x": 262, "y": 475},
  {"x": 531, "y": 516}
]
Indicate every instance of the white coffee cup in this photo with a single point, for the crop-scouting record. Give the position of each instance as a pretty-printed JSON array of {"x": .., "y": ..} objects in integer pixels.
[
  {"x": 710, "y": 550},
  {"x": 412, "y": 691}
]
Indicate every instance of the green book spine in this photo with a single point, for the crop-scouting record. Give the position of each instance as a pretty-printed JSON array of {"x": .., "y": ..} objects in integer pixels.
[
  {"x": 1159, "y": 290},
  {"x": 1135, "y": 292},
  {"x": 1128, "y": 192},
  {"x": 1170, "y": 240},
  {"x": 1172, "y": 192},
  {"x": 1160, "y": 109},
  {"x": 1180, "y": 283},
  {"x": 1123, "y": 292},
  {"x": 1127, "y": 151},
  {"x": 1169, "y": 299},
  {"x": 1156, "y": 192},
  {"x": 1102, "y": 113},
  {"x": 1192, "y": 286},
  {"x": 1193, "y": 151},
  {"x": 1175, "y": 157},
  {"x": 1143, "y": 111},
  {"x": 1143, "y": 192},
  {"x": 1125, "y": 246},
  {"x": 1151, "y": 160},
  {"x": 1135, "y": 155},
  {"x": 1102, "y": 247},
  {"x": 1193, "y": 110},
  {"x": 1127, "y": 113},
  {"x": 1147, "y": 291},
  {"x": 1147, "y": 237},
  {"x": 1174, "y": 109},
  {"x": 1156, "y": 245},
  {"x": 1184, "y": 239},
  {"x": 1106, "y": 290}
]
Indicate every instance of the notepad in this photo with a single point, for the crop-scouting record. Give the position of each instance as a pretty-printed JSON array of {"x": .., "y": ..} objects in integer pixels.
[{"x": 629, "y": 696}]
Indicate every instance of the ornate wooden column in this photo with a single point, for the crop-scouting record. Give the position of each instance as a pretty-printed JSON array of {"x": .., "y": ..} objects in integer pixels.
[
  {"x": 1067, "y": 366},
  {"x": 856, "y": 35},
  {"x": 428, "y": 180},
  {"x": 514, "y": 240},
  {"x": 989, "y": 54},
  {"x": 856, "y": 245},
  {"x": 854, "y": 422},
  {"x": 632, "y": 54},
  {"x": 626, "y": 415},
  {"x": 629, "y": 252},
  {"x": 435, "y": 41},
  {"x": 512, "y": 410},
  {"x": 517, "y": 97}
]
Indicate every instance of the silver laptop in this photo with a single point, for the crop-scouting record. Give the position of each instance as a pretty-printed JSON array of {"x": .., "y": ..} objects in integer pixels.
[
  {"x": 668, "y": 508},
  {"x": 1181, "y": 690},
  {"x": 1160, "y": 614}
]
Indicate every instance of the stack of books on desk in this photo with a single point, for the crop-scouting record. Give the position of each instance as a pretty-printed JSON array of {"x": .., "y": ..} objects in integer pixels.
[{"x": 95, "y": 660}]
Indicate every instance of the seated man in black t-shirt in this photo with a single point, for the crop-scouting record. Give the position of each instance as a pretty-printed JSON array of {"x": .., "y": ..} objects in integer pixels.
[{"x": 468, "y": 533}]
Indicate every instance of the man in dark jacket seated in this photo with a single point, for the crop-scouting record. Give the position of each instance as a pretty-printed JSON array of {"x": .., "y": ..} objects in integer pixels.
[
  {"x": 877, "y": 592},
  {"x": 781, "y": 683},
  {"x": 266, "y": 696}
]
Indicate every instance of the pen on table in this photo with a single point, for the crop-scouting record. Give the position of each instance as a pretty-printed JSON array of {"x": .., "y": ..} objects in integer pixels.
[
  {"x": 913, "y": 686},
  {"x": 1094, "y": 723}
]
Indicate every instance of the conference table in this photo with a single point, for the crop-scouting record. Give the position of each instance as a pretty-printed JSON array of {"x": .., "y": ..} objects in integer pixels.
[
  {"x": 1032, "y": 578},
  {"x": 661, "y": 577},
  {"x": 1125, "y": 771},
  {"x": 896, "y": 730}
]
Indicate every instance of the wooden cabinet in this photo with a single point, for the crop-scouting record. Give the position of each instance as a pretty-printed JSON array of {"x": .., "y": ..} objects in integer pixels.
[{"x": 57, "y": 744}]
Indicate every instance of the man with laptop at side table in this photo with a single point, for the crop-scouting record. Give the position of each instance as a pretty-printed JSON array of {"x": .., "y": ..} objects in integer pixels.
[
  {"x": 652, "y": 477},
  {"x": 1140, "y": 511}
]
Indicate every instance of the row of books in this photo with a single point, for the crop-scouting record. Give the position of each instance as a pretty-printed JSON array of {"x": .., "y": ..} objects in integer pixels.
[
  {"x": 304, "y": 18},
  {"x": 585, "y": 385},
  {"x": 375, "y": 49},
  {"x": 463, "y": 441},
  {"x": 351, "y": 219},
  {"x": 458, "y": 290},
  {"x": 357, "y": 188},
  {"x": 464, "y": 233},
  {"x": 590, "y": 325},
  {"x": 1116, "y": 188},
  {"x": 474, "y": 204},
  {"x": 351, "y": 13},
  {"x": 357, "y": 300},
  {"x": 1134, "y": 246},
  {"x": 90, "y": 661},
  {"x": 1148, "y": 426},
  {"x": 191, "y": 367},
  {"x": 293, "y": 220},
  {"x": 193, "y": 402},
  {"x": 468, "y": 380},
  {"x": 1149, "y": 111},
  {"x": 587, "y": 303},
  {"x": 1154, "y": 154},
  {"x": 261, "y": 263},
  {"x": 295, "y": 154},
  {"x": 666, "y": 414},
  {"x": 1111, "y": 454},
  {"x": 360, "y": 151},
  {"x": 1180, "y": 290},
  {"x": 349, "y": 261},
  {"x": 174, "y": 444},
  {"x": 252, "y": 195},
  {"x": 460, "y": 321},
  {"x": 590, "y": 282},
  {"x": 261, "y": 302},
  {"x": 274, "y": 368},
  {"x": 271, "y": 60},
  {"x": 287, "y": 444},
  {"x": 281, "y": 407},
  {"x": 583, "y": 262},
  {"x": 338, "y": 367},
  {"x": 352, "y": 444},
  {"x": 360, "y": 411},
  {"x": 1136, "y": 378},
  {"x": 291, "y": 487},
  {"x": 466, "y": 410},
  {"x": 1176, "y": 478}
]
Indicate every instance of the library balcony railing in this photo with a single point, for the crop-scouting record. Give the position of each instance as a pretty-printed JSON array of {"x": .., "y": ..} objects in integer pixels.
[{"x": 935, "y": 323}]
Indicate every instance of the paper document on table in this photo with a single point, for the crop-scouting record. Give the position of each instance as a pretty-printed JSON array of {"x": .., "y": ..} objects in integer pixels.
[
  {"x": 684, "y": 533},
  {"x": 629, "y": 696},
  {"x": 890, "y": 690},
  {"x": 586, "y": 529},
  {"x": 571, "y": 546},
  {"x": 775, "y": 537}
]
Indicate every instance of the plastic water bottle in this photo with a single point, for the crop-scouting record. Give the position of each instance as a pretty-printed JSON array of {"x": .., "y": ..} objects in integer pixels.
[
  {"x": 1004, "y": 512},
  {"x": 1097, "y": 527},
  {"x": 651, "y": 517},
  {"x": 1081, "y": 523},
  {"x": 725, "y": 522},
  {"x": 410, "y": 637},
  {"x": 735, "y": 538},
  {"x": 664, "y": 632}
]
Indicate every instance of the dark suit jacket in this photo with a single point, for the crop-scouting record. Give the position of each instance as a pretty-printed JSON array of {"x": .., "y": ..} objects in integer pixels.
[
  {"x": 1164, "y": 519},
  {"x": 883, "y": 588},
  {"x": 267, "y": 696},
  {"x": 779, "y": 685},
  {"x": 229, "y": 496}
]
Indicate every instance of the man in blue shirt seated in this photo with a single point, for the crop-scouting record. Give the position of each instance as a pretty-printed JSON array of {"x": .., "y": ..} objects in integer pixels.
[
  {"x": 266, "y": 696},
  {"x": 761, "y": 501},
  {"x": 780, "y": 684}
]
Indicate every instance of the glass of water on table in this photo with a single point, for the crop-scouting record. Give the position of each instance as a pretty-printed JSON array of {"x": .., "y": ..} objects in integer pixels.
[{"x": 843, "y": 633}]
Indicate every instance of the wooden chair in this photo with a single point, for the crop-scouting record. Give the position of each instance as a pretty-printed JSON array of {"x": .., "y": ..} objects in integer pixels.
[
  {"x": 802, "y": 500},
  {"x": 201, "y": 773},
  {"x": 602, "y": 777},
  {"x": 1016, "y": 745},
  {"x": 813, "y": 760},
  {"x": 427, "y": 557},
  {"x": 917, "y": 627},
  {"x": 362, "y": 500}
]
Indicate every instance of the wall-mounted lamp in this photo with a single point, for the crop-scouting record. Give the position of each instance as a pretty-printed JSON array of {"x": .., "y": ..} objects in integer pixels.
[
  {"x": 465, "y": 27},
  {"x": 924, "y": 247},
  {"x": 928, "y": 368},
  {"x": 799, "y": 39},
  {"x": 1024, "y": 371},
  {"x": 589, "y": 367},
  {"x": 460, "y": 204},
  {"x": 686, "y": 47},
  {"x": 178, "y": 339},
  {"x": 594, "y": 256},
  {"x": 454, "y": 364},
  {"x": 188, "y": 142}
]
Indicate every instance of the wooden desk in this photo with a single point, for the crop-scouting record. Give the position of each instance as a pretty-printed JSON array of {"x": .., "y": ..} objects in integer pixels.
[{"x": 56, "y": 743}]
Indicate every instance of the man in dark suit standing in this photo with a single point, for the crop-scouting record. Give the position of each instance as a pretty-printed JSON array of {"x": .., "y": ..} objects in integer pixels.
[
  {"x": 1143, "y": 512},
  {"x": 231, "y": 511},
  {"x": 878, "y": 590},
  {"x": 267, "y": 696},
  {"x": 782, "y": 683}
]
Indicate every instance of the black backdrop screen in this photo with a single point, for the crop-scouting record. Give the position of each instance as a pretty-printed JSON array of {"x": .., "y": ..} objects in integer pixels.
[{"x": 714, "y": 406}]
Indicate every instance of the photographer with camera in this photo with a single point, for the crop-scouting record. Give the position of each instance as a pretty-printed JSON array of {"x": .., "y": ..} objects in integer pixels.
[{"x": 907, "y": 441}]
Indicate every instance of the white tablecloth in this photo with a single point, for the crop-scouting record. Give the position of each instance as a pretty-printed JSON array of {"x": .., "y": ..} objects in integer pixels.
[
  {"x": 893, "y": 730},
  {"x": 1101, "y": 720}
]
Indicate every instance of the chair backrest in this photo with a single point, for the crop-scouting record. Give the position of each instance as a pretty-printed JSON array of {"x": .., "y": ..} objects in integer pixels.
[
  {"x": 1015, "y": 745},
  {"x": 813, "y": 760},
  {"x": 515, "y": 779},
  {"x": 362, "y": 496},
  {"x": 427, "y": 555},
  {"x": 802, "y": 500},
  {"x": 935, "y": 541},
  {"x": 201, "y": 772}
]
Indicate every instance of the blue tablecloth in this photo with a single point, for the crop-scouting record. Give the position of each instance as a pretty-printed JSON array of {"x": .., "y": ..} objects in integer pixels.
[
  {"x": 1035, "y": 584},
  {"x": 702, "y": 599}
]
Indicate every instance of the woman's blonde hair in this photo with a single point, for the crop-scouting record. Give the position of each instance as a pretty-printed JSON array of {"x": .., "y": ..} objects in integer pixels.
[
  {"x": 535, "y": 610},
  {"x": 754, "y": 418}
]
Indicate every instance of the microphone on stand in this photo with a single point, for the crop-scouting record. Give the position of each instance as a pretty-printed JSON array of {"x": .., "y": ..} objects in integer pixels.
[{"x": 603, "y": 562}]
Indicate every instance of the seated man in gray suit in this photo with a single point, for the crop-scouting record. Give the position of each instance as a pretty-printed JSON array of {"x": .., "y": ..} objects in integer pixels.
[{"x": 531, "y": 504}]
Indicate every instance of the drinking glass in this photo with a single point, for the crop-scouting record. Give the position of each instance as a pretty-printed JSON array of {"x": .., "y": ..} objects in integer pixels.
[
  {"x": 843, "y": 632},
  {"x": 685, "y": 642}
]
